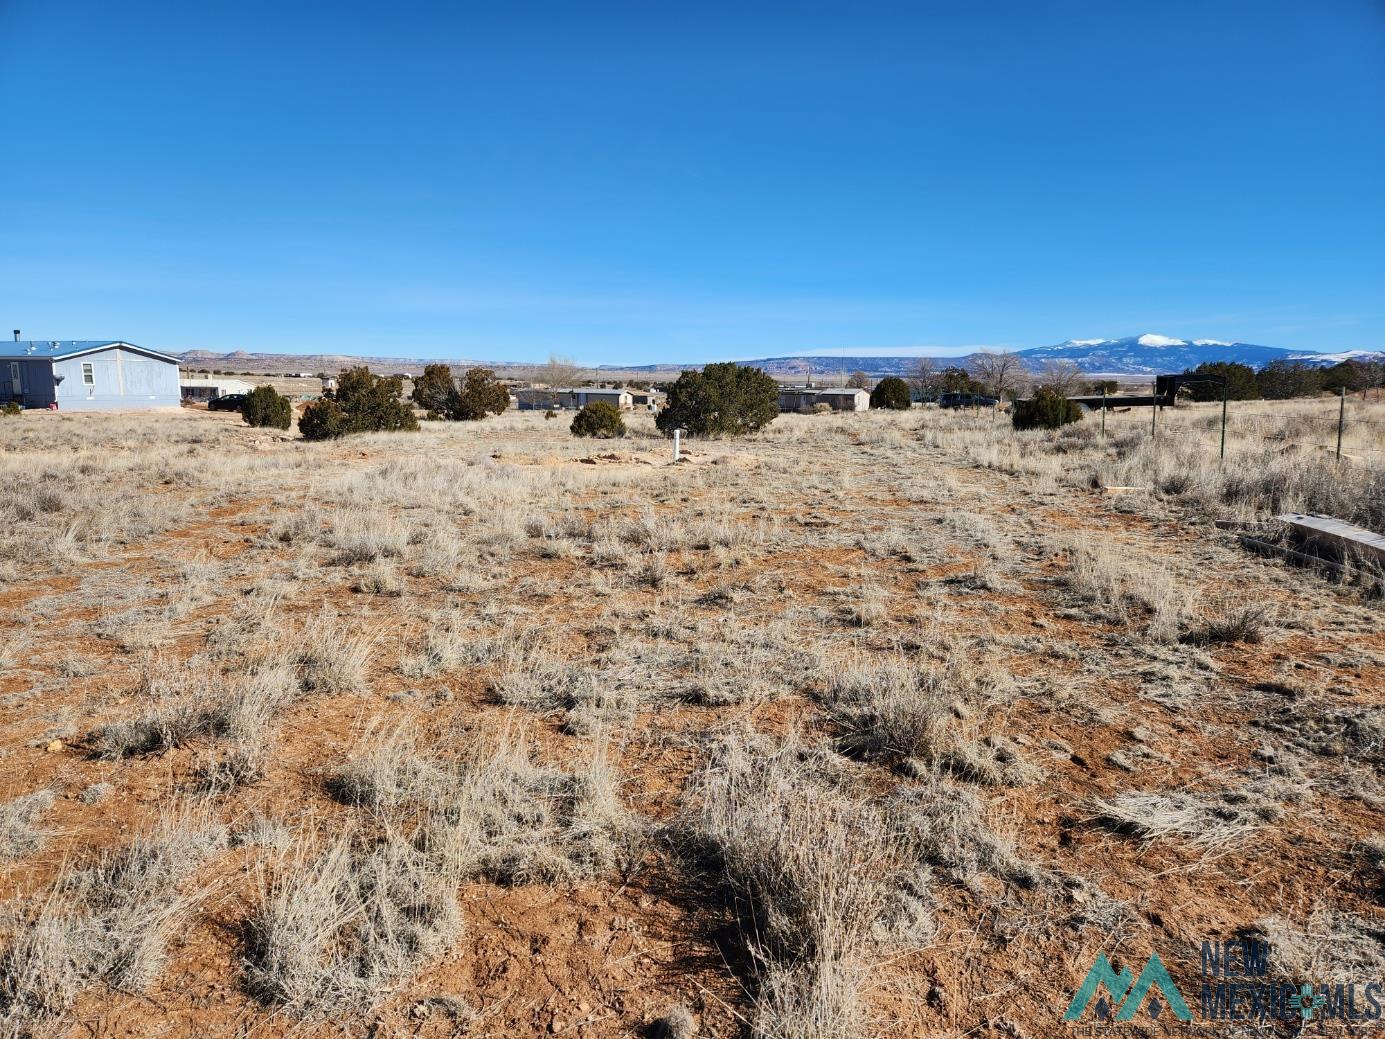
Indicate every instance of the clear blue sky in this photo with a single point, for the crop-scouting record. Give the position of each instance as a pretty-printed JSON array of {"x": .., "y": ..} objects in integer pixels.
[{"x": 632, "y": 182}]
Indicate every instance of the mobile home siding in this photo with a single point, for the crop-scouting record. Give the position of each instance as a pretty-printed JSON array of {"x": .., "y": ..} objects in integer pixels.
[
  {"x": 28, "y": 381},
  {"x": 119, "y": 378}
]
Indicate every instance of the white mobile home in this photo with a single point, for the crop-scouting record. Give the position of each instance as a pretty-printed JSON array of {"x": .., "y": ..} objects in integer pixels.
[
  {"x": 87, "y": 375},
  {"x": 837, "y": 398}
]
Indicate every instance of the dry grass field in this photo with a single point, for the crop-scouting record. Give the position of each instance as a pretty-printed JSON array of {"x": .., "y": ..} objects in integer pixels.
[{"x": 871, "y": 725}]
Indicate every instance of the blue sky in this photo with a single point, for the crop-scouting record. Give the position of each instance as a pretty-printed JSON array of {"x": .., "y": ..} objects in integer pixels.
[{"x": 636, "y": 182}]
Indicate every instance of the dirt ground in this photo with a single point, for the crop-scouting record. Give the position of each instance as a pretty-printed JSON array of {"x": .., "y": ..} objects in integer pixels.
[{"x": 1156, "y": 739}]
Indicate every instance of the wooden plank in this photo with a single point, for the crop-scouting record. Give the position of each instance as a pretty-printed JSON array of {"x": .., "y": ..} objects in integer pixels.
[{"x": 1343, "y": 536}]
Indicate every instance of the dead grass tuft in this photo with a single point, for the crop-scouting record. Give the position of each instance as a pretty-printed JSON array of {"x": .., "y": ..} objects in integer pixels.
[
  {"x": 110, "y": 923},
  {"x": 512, "y": 821},
  {"x": 339, "y": 931},
  {"x": 20, "y": 833}
]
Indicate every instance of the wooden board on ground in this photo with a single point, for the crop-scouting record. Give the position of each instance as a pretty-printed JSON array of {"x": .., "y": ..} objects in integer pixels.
[{"x": 1340, "y": 535}]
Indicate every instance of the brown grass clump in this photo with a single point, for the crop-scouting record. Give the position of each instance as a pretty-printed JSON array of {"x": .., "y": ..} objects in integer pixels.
[
  {"x": 815, "y": 874},
  {"x": 20, "y": 832},
  {"x": 512, "y": 821},
  {"x": 339, "y": 930},
  {"x": 109, "y": 923}
]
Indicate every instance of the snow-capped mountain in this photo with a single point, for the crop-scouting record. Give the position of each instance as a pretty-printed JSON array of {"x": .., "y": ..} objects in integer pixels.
[
  {"x": 1337, "y": 358},
  {"x": 1152, "y": 354},
  {"x": 1148, "y": 354}
]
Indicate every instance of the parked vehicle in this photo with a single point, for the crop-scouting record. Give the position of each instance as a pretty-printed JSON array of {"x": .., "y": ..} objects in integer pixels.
[
  {"x": 227, "y": 402},
  {"x": 966, "y": 400}
]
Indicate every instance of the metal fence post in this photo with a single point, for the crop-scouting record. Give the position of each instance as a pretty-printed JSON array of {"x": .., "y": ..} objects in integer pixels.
[
  {"x": 1224, "y": 391},
  {"x": 1341, "y": 422}
]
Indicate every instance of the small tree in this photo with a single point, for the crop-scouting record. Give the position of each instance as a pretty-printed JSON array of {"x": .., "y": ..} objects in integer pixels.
[
  {"x": 891, "y": 392},
  {"x": 957, "y": 380},
  {"x": 1280, "y": 380},
  {"x": 434, "y": 388},
  {"x": 1240, "y": 381},
  {"x": 859, "y": 380},
  {"x": 1047, "y": 409},
  {"x": 598, "y": 419},
  {"x": 1001, "y": 373},
  {"x": 324, "y": 420},
  {"x": 266, "y": 406},
  {"x": 1107, "y": 386},
  {"x": 362, "y": 402},
  {"x": 724, "y": 399},
  {"x": 481, "y": 394},
  {"x": 925, "y": 378},
  {"x": 1063, "y": 376}
]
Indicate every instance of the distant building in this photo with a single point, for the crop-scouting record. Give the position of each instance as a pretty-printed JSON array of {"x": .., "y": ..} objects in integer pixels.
[
  {"x": 542, "y": 400},
  {"x": 794, "y": 398},
  {"x": 87, "y": 375},
  {"x": 211, "y": 387},
  {"x": 649, "y": 400}
]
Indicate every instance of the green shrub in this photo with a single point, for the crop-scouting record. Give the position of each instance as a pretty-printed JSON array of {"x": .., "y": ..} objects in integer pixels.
[
  {"x": 1047, "y": 409},
  {"x": 600, "y": 420},
  {"x": 323, "y": 420},
  {"x": 434, "y": 389},
  {"x": 724, "y": 399},
  {"x": 891, "y": 392},
  {"x": 1240, "y": 381},
  {"x": 362, "y": 403},
  {"x": 480, "y": 395},
  {"x": 11, "y": 408},
  {"x": 266, "y": 406}
]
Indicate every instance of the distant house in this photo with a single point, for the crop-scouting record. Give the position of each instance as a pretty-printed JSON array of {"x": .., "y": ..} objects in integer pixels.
[
  {"x": 793, "y": 398},
  {"x": 542, "y": 400},
  {"x": 209, "y": 388},
  {"x": 649, "y": 400},
  {"x": 87, "y": 375}
]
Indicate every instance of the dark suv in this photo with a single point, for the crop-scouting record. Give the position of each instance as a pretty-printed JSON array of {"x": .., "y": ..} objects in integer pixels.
[
  {"x": 227, "y": 402},
  {"x": 966, "y": 400}
]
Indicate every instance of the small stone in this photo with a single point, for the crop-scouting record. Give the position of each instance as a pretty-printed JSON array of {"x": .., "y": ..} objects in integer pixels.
[{"x": 54, "y": 746}]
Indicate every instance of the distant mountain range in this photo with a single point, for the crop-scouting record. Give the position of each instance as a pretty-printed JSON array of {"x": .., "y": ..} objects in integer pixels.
[
  {"x": 1143, "y": 355},
  {"x": 1147, "y": 354}
]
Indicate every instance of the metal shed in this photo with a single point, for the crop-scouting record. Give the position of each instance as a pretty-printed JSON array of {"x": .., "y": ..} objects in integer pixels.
[{"x": 87, "y": 375}]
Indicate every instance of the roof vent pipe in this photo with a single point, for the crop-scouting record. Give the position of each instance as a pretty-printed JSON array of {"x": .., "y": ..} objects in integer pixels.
[{"x": 16, "y": 335}]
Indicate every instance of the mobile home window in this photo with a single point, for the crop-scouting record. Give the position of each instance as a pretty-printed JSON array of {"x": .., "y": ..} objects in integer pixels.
[{"x": 88, "y": 374}]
